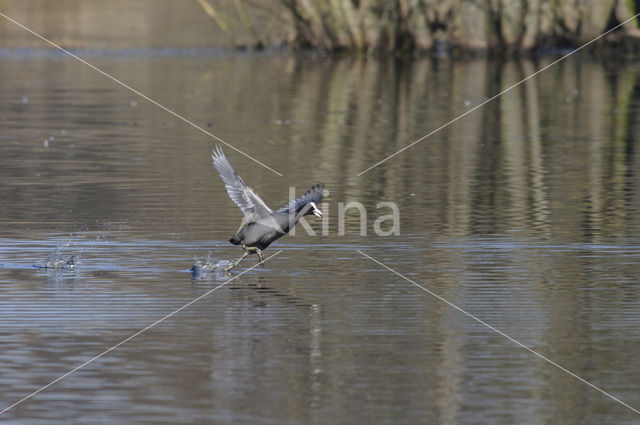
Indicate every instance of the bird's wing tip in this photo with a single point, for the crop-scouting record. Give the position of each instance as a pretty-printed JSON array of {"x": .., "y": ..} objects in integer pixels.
[{"x": 216, "y": 153}]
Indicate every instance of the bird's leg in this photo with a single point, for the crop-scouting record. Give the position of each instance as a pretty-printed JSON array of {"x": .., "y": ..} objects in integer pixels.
[
  {"x": 235, "y": 263},
  {"x": 261, "y": 256},
  {"x": 255, "y": 250}
]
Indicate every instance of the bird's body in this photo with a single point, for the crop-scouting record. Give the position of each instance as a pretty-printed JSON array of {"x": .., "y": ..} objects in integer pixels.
[
  {"x": 260, "y": 234},
  {"x": 261, "y": 226}
]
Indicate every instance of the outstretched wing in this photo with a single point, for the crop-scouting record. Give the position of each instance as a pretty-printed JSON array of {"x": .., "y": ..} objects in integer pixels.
[
  {"x": 313, "y": 195},
  {"x": 252, "y": 206}
]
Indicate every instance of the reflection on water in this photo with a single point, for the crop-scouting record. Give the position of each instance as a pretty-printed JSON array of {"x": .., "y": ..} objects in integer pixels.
[{"x": 524, "y": 213}]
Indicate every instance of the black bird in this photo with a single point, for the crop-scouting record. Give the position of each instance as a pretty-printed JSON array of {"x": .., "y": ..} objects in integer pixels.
[{"x": 261, "y": 225}]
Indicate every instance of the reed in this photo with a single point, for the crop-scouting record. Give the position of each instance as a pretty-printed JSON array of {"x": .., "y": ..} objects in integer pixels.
[
  {"x": 443, "y": 25},
  {"x": 409, "y": 26}
]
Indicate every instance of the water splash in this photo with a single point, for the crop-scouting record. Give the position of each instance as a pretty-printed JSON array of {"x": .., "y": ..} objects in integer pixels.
[
  {"x": 58, "y": 259},
  {"x": 209, "y": 268}
]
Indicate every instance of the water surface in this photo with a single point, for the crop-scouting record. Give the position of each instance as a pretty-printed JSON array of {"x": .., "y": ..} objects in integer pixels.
[{"x": 524, "y": 213}]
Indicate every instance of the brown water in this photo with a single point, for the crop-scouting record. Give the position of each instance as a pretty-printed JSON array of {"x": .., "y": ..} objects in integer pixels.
[{"x": 524, "y": 213}]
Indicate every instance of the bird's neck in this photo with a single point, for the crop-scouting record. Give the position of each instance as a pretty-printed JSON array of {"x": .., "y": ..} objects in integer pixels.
[
  {"x": 293, "y": 219},
  {"x": 302, "y": 212}
]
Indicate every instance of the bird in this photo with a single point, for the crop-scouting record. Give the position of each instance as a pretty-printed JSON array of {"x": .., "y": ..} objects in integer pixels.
[{"x": 260, "y": 225}]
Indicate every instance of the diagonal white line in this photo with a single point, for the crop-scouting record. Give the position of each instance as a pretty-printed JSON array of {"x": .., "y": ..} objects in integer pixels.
[
  {"x": 498, "y": 95},
  {"x": 499, "y": 332},
  {"x": 137, "y": 92},
  {"x": 133, "y": 336}
]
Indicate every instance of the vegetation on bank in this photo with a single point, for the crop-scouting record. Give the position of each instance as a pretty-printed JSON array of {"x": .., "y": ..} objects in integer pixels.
[{"x": 385, "y": 26}]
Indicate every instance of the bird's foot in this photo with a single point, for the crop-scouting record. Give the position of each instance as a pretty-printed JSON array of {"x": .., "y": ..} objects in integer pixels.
[{"x": 235, "y": 263}]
